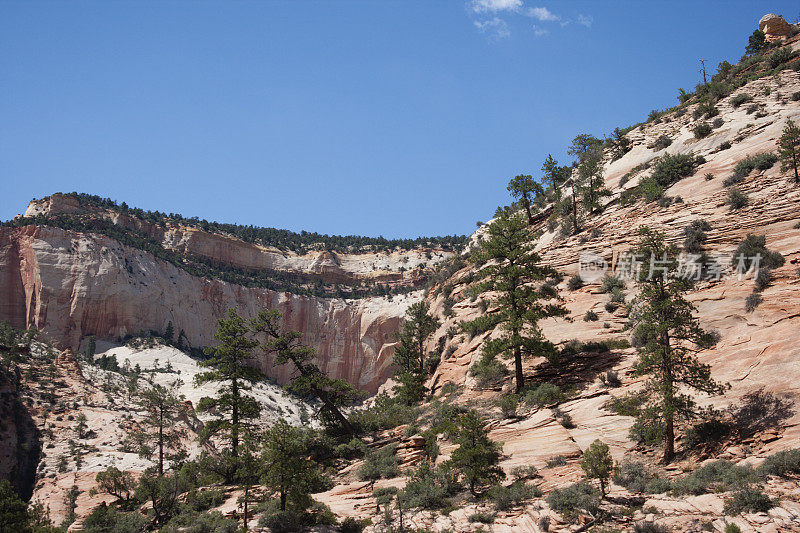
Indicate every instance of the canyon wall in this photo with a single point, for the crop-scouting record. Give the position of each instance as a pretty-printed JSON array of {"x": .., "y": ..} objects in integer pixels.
[{"x": 70, "y": 285}]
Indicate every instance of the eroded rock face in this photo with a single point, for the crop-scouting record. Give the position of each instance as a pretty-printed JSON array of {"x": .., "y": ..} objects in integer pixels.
[
  {"x": 70, "y": 285},
  {"x": 774, "y": 27}
]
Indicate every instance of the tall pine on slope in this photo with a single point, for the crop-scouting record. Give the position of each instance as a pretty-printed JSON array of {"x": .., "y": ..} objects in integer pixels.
[
  {"x": 228, "y": 367},
  {"x": 526, "y": 190},
  {"x": 287, "y": 468},
  {"x": 410, "y": 356},
  {"x": 511, "y": 268},
  {"x": 160, "y": 436},
  {"x": 668, "y": 336}
]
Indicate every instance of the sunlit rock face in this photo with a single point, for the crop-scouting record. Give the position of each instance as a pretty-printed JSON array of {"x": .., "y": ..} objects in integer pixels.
[{"x": 70, "y": 285}]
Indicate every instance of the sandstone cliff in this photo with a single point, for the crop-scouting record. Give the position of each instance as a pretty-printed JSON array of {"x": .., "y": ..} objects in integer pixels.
[{"x": 70, "y": 285}]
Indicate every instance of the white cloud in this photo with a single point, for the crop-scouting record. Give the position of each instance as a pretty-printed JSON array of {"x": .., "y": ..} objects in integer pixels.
[
  {"x": 542, "y": 14},
  {"x": 539, "y": 31},
  {"x": 483, "y": 6},
  {"x": 585, "y": 20},
  {"x": 496, "y": 28}
]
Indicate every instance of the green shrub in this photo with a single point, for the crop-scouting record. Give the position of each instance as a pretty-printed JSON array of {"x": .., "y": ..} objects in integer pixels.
[
  {"x": 556, "y": 460},
  {"x": 650, "y": 527},
  {"x": 385, "y": 413},
  {"x": 508, "y": 405},
  {"x": 378, "y": 464},
  {"x": 661, "y": 142},
  {"x": 796, "y": 96},
  {"x": 506, "y": 497},
  {"x": 489, "y": 371},
  {"x": 544, "y": 394},
  {"x": 611, "y": 378},
  {"x": 647, "y": 430},
  {"x": 743, "y": 168},
  {"x": 783, "y": 463},
  {"x": 725, "y": 145},
  {"x": 108, "y": 519},
  {"x": 428, "y": 488},
  {"x": 282, "y": 522},
  {"x": 737, "y": 199},
  {"x": 754, "y": 245},
  {"x": 750, "y": 500},
  {"x": 732, "y": 528},
  {"x": 578, "y": 497},
  {"x": 636, "y": 477},
  {"x": 752, "y": 301},
  {"x": 696, "y": 236},
  {"x": 574, "y": 283},
  {"x": 481, "y": 518},
  {"x": 351, "y": 525},
  {"x": 627, "y": 405},
  {"x": 763, "y": 279},
  {"x": 740, "y": 99},
  {"x": 611, "y": 282},
  {"x": 590, "y": 316},
  {"x": 702, "y": 130},
  {"x": 718, "y": 476},
  {"x": 670, "y": 168},
  {"x": 779, "y": 57}
]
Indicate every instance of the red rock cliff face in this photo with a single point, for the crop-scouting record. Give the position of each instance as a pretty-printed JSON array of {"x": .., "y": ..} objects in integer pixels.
[{"x": 70, "y": 285}]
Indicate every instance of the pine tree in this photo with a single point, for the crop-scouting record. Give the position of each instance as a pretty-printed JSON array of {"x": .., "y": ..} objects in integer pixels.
[
  {"x": 13, "y": 511},
  {"x": 598, "y": 464},
  {"x": 755, "y": 43},
  {"x": 286, "y": 347},
  {"x": 288, "y": 469},
  {"x": 410, "y": 356},
  {"x": 526, "y": 190},
  {"x": 668, "y": 336},
  {"x": 511, "y": 268},
  {"x": 228, "y": 363},
  {"x": 477, "y": 456},
  {"x": 589, "y": 152},
  {"x": 554, "y": 176},
  {"x": 789, "y": 148},
  {"x": 91, "y": 348},
  {"x": 160, "y": 435},
  {"x": 170, "y": 332}
]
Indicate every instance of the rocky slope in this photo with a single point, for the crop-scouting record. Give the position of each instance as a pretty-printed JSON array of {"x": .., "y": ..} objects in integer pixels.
[{"x": 758, "y": 350}]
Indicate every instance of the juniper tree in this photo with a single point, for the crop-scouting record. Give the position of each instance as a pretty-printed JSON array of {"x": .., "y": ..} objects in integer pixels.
[
  {"x": 160, "y": 435},
  {"x": 598, "y": 464},
  {"x": 228, "y": 367},
  {"x": 477, "y": 456},
  {"x": 410, "y": 355},
  {"x": 287, "y": 468},
  {"x": 512, "y": 267},
  {"x": 526, "y": 190},
  {"x": 789, "y": 148},
  {"x": 309, "y": 380},
  {"x": 668, "y": 337}
]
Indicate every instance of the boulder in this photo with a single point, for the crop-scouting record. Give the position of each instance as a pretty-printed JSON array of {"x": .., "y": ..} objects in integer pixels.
[{"x": 774, "y": 27}]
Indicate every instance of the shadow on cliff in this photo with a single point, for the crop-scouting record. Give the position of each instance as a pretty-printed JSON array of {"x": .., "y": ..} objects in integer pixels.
[
  {"x": 20, "y": 445},
  {"x": 578, "y": 369}
]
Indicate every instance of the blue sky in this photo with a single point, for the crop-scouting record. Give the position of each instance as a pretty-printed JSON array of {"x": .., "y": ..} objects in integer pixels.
[{"x": 394, "y": 118}]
